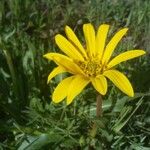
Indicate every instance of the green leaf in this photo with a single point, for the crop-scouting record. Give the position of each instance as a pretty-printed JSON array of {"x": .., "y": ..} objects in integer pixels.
[
  {"x": 9, "y": 35},
  {"x": 122, "y": 121},
  {"x": 36, "y": 143}
]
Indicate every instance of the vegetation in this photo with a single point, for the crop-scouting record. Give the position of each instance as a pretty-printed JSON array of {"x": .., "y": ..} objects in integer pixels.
[{"x": 29, "y": 120}]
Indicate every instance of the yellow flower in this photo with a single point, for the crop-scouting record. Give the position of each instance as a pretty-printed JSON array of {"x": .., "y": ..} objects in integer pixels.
[{"x": 91, "y": 63}]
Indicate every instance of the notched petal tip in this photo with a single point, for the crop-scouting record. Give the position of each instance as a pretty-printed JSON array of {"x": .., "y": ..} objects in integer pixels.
[
  {"x": 140, "y": 52},
  {"x": 48, "y": 81},
  {"x": 104, "y": 25},
  {"x": 47, "y": 56},
  {"x": 67, "y": 28},
  {"x": 125, "y": 29},
  {"x": 68, "y": 102},
  {"x": 132, "y": 94},
  {"x": 143, "y": 52},
  {"x": 55, "y": 101},
  {"x": 57, "y": 36},
  {"x": 87, "y": 24}
]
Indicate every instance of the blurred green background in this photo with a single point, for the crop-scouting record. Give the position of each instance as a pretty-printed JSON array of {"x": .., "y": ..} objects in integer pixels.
[{"x": 28, "y": 119}]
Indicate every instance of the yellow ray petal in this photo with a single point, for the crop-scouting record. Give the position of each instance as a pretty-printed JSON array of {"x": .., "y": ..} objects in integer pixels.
[
  {"x": 100, "y": 84},
  {"x": 50, "y": 56},
  {"x": 101, "y": 39},
  {"x": 112, "y": 45},
  {"x": 73, "y": 38},
  {"x": 61, "y": 90},
  {"x": 55, "y": 72},
  {"x": 65, "y": 62},
  {"x": 68, "y": 48},
  {"x": 76, "y": 86},
  {"x": 89, "y": 34},
  {"x": 121, "y": 81},
  {"x": 125, "y": 56}
]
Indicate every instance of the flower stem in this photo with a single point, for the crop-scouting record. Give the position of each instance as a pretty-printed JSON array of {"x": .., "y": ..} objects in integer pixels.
[
  {"x": 98, "y": 114},
  {"x": 99, "y": 105}
]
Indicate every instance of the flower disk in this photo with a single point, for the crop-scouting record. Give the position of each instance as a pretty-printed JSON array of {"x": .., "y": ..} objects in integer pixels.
[
  {"x": 90, "y": 68},
  {"x": 90, "y": 64}
]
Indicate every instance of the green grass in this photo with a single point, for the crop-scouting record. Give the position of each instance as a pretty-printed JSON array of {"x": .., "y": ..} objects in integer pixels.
[{"x": 28, "y": 118}]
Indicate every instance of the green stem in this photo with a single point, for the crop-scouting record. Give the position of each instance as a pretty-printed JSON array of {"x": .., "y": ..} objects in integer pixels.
[
  {"x": 12, "y": 72},
  {"x": 99, "y": 105},
  {"x": 98, "y": 114}
]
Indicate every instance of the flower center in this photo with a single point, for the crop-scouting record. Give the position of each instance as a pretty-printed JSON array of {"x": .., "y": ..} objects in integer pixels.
[{"x": 91, "y": 68}]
